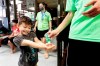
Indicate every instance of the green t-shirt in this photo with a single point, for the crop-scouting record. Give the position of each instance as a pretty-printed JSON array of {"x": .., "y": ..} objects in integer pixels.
[
  {"x": 82, "y": 27},
  {"x": 43, "y": 20}
]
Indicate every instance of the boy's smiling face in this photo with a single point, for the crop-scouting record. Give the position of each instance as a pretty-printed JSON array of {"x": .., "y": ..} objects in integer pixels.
[{"x": 24, "y": 29}]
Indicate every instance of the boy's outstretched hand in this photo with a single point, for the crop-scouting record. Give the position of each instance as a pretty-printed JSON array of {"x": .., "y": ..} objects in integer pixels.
[{"x": 50, "y": 47}]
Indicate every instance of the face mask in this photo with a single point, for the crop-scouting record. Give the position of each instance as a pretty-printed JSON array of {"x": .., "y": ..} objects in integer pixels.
[{"x": 41, "y": 8}]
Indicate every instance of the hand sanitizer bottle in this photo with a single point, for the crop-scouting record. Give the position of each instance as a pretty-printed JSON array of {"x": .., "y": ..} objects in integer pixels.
[{"x": 48, "y": 40}]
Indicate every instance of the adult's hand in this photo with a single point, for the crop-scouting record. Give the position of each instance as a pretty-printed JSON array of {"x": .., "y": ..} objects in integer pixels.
[
  {"x": 95, "y": 10},
  {"x": 53, "y": 33}
]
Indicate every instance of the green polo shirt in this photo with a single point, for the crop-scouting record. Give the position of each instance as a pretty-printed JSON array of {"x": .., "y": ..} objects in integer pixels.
[
  {"x": 43, "y": 20},
  {"x": 82, "y": 27}
]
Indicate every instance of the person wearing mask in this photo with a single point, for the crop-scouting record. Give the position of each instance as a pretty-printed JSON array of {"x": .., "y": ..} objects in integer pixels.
[
  {"x": 43, "y": 24},
  {"x": 28, "y": 43}
]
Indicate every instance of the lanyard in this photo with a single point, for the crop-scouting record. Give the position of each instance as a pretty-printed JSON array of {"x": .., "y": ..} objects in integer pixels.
[{"x": 43, "y": 15}]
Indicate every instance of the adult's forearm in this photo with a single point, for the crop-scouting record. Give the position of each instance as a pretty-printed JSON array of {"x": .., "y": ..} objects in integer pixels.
[{"x": 65, "y": 22}]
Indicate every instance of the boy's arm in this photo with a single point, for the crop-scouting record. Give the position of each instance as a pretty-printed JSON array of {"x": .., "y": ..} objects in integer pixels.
[
  {"x": 39, "y": 45},
  {"x": 49, "y": 46},
  {"x": 65, "y": 22}
]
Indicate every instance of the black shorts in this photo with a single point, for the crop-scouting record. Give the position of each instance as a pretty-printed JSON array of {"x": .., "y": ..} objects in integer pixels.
[
  {"x": 83, "y": 53},
  {"x": 40, "y": 34}
]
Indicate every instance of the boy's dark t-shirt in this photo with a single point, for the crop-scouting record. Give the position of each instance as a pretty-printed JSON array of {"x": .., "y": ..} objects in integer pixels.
[{"x": 29, "y": 55}]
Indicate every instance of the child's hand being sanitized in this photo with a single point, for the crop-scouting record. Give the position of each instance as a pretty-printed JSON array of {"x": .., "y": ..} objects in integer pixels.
[{"x": 50, "y": 46}]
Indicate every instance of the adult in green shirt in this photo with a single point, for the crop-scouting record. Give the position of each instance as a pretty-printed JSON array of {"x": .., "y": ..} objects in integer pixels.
[
  {"x": 43, "y": 23},
  {"x": 84, "y": 34}
]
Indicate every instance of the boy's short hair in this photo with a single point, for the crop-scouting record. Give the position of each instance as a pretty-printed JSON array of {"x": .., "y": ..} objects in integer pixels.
[
  {"x": 15, "y": 21},
  {"x": 26, "y": 20}
]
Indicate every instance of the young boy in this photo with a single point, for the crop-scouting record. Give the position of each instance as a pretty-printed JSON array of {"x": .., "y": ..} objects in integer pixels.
[
  {"x": 43, "y": 24},
  {"x": 28, "y": 42}
]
